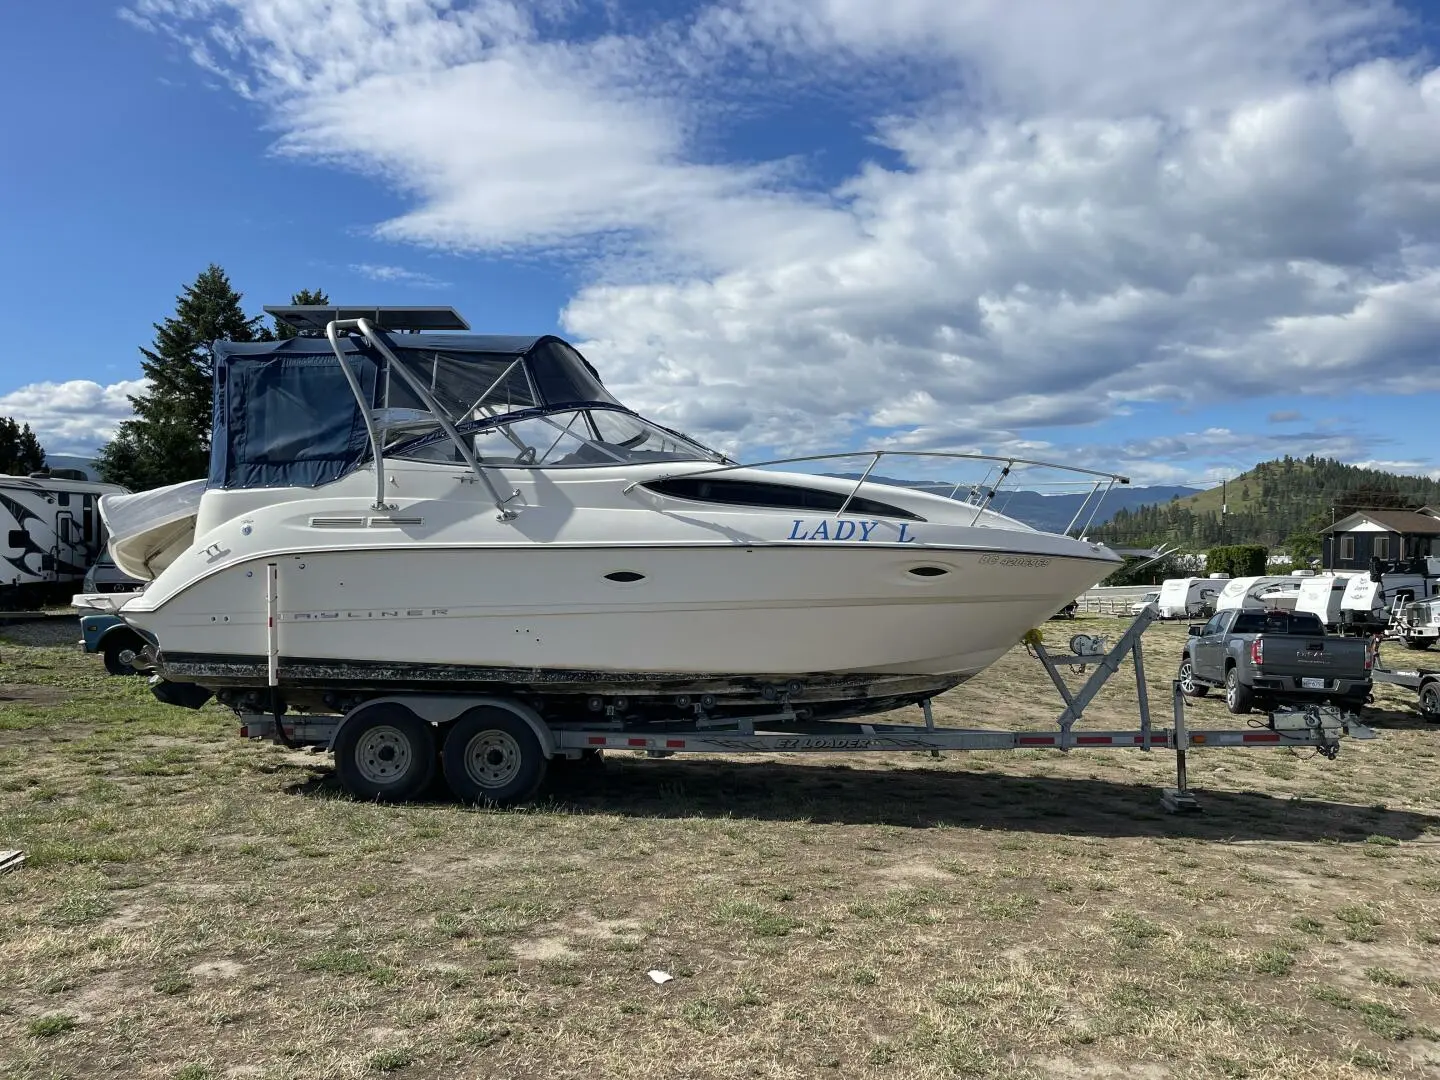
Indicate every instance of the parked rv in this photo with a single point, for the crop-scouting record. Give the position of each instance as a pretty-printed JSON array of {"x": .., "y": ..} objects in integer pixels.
[
  {"x": 1371, "y": 599},
  {"x": 1281, "y": 596},
  {"x": 1258, "y": 593},
  {"x": 50, "y": 533},
  {"x": 1322, "y": 597},
  {"x": 1187, "y": 597}
]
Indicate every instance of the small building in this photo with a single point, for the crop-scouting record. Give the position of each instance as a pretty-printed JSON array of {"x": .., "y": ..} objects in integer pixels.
[{"x": 1387, "y": 535}]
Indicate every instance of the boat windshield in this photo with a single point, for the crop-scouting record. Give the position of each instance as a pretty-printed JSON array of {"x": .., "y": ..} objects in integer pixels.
[
  {"x": 547, "y": 438},
  {"x": 496, "y": 405}
]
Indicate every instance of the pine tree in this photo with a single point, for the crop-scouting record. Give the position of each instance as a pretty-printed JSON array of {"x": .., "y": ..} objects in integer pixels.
[
  {"x": 20, "y": 451},
  {"x": 305, "y": 297},
  {"x": 168, "y": 441}
]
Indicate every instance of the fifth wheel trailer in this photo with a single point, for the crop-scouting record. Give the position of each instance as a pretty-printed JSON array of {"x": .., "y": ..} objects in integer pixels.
[{"x": 50, "y": 533}]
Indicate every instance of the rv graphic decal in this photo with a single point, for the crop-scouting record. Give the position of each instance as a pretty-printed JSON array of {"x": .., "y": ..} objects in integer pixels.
[{"x": 28, "y": 560}]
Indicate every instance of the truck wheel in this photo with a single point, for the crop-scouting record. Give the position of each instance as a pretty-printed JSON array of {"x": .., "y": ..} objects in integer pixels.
[
  {"x": 492, "y": 756},
  {"x": 1188, "y": 686},
  {"x": 386, "y": 753},
  {"x": 116, "y": 644},
  {"x": 1239, "y": 698},
  {"x": 1418, "y": 643},
  {"x": 1430, "y": 700}
]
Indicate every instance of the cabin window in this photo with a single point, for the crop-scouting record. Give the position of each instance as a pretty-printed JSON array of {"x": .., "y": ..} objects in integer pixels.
[
  {"x": 62, "y": 498},
  {"x": 1347, "y": 547},
  {"x": 773, "y": 496},
  {"x": 1382, "y": 547}
]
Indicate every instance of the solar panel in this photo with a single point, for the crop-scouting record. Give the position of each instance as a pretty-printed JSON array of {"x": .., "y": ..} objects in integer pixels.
[{"x": 317, "y": 317}]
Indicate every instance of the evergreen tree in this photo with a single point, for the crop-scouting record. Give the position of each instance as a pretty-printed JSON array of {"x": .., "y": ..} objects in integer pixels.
[
  {"x": 303, "y": 298},
  {"x": 168, "y": 440},
  {"x": 1295, "y": 499},
  {"x": 20, "y": 451}
]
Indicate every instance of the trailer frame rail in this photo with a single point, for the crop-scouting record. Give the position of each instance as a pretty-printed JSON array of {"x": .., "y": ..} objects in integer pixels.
[{"x": 1316, "y": 727}]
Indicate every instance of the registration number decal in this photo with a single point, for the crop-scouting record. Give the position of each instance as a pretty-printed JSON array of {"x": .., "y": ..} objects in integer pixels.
[{"x": 1031, "y": 562}]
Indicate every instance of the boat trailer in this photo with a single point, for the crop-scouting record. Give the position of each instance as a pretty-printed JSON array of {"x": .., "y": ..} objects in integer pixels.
[{"x": 505, "y": 761}]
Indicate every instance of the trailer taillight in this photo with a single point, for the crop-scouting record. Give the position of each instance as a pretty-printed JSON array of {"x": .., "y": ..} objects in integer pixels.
[{"x": 1257, "y": 651}]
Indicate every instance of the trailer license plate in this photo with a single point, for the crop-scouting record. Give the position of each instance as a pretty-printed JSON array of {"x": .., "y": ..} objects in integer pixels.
[{"x": 1313, "y": 684}]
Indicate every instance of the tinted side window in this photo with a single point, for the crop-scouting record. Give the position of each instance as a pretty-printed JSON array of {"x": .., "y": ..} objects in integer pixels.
[
  {"x": 1250, "y": 622},
  {"x": 1213, "y": 626},
  {"x": 775, "y": 496}
]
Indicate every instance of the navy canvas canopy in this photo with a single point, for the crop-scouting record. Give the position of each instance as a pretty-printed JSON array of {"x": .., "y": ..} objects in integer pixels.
[{"x": 284, "y": 414}]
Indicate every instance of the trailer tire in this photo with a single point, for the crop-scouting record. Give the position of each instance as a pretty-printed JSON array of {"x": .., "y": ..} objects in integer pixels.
[
  {"x": 1430, "y": 700},
  {"x": 492, "y": 756},
  {"x": 1186, "y": 676},
  {"x": 1239, "y": 698},
  {"x": 385, "y": 753},
  {"x": 115, "y": 644}
]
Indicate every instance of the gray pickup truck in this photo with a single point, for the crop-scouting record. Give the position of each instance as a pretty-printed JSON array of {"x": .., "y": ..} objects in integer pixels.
[{"x": 1268, "y": 658}]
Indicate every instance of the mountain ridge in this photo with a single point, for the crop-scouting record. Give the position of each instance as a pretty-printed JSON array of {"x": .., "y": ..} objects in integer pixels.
[{"x": 1271, "y": 503}]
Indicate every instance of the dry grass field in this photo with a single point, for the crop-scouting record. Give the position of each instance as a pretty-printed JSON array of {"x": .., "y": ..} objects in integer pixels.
[{"x": 196, "y": 906}]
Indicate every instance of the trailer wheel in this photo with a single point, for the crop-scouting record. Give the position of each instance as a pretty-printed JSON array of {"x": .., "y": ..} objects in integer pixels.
[
  {"x": 1188, "y": 686},
  {"x": 1430, "y": 700},
  {"x": 385, "y": 753},
  {"x": 492, "y": 756},
  {"x": 1239, "y": 698},
  {"x": 116, "y": 644}
]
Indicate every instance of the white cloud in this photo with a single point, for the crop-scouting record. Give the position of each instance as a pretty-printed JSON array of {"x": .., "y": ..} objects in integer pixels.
[
  {"x": 74, "y": 417},
  {"x": 397, "y": 275},
  {"x": 1087, "y": 204}
]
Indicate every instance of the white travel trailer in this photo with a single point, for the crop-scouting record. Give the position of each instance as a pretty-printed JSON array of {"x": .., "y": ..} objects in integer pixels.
[
  {"x": 1188, "y": 597},
  {"x": 1257, "y": 593},
  {"x": 50, "y": 533},
  {"x": 1367, "y": 604},
  {"x": 1323, "y": 596}
]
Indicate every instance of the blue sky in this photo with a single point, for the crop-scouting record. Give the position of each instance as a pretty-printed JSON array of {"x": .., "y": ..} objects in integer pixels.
[{"x": 1111, "y": 232}]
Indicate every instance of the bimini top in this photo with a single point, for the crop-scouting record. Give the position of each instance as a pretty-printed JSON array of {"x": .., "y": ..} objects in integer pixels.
[{"x": 285, "y": 415}]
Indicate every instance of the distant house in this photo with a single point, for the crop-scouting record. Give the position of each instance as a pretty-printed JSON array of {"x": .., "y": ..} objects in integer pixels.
[{"x": 1387, "y": 535}]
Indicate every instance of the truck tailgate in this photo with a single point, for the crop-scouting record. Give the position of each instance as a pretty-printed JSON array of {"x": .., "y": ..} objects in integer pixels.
[{"x": 1312, "y": 658}]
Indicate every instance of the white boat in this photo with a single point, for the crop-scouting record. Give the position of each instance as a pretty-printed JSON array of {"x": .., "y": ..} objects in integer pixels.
[{"x": 520, "y": 529}]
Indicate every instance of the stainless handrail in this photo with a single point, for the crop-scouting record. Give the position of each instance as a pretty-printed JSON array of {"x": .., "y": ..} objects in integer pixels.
[
  {"x": 951, "y": 455},
  {"x": 1109, "y": 480},
  {"x": 368, "y": 331},
  {"x": 366, "y": 410}
]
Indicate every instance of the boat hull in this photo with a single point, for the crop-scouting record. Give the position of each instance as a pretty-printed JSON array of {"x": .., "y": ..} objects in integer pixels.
[{"x": 675, "y": 615}]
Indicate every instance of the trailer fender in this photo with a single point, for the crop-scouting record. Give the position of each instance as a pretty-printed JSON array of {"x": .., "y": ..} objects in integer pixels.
[{"x": 437, "y": 709}]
